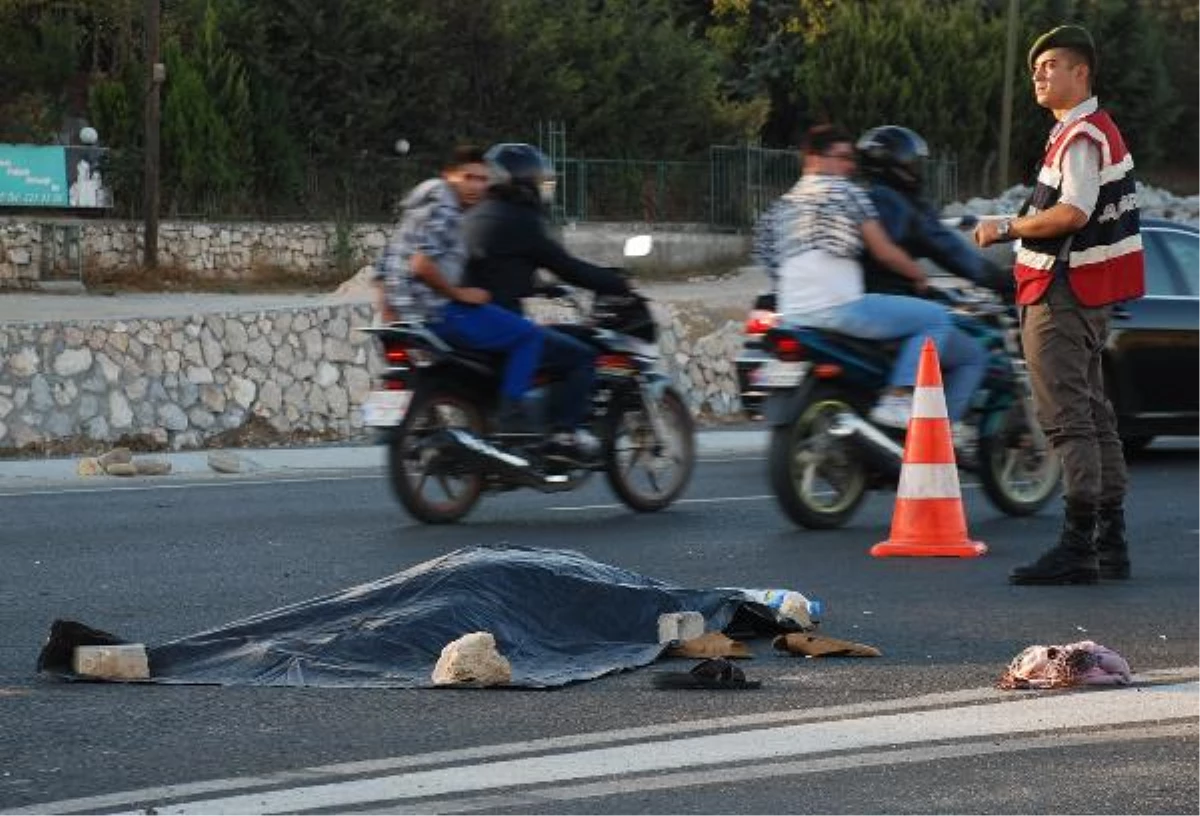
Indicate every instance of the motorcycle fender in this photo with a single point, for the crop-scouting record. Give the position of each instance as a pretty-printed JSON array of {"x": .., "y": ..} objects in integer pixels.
[{"x": 784, "y": 407}]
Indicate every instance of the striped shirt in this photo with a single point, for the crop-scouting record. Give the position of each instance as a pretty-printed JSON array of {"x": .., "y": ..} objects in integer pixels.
[
  {"x": 430, "y": 226},
  {"x": 819, "y": 212}
]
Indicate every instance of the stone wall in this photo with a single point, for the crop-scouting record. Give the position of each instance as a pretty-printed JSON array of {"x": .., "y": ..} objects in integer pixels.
[
  {"x": 231, "y": 250},
  {"x": 287, "y": 375}
]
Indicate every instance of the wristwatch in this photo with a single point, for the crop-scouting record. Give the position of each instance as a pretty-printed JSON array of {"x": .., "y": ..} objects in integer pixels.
[{"x": 1004, "y": 231}]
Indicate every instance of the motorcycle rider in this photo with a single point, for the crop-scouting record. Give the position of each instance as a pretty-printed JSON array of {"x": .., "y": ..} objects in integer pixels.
[
  {"x": 891, "y": 160},
  {"x": 823, "y": 210},
  {"x": 508, "y": 240},
  {"x": 420, "y": 274}
]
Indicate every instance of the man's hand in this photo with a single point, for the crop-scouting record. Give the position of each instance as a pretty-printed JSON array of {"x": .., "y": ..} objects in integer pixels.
[
  {"x": 472, "y": 295},
  {"x": 987, "y": 232}
]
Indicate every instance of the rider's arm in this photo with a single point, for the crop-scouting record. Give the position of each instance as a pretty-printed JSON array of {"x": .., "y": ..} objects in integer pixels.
[
  {"x": 765, "y": 244},
  {"x": 888, "y": 253},
  {"x": 436, "y": 239},
  {"x": 549, "y": 254},
  {"x": 426, "y": 270}
]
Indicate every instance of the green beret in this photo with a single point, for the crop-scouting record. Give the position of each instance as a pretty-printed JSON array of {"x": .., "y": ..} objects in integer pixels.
[{"x": 1068, "y": 36}]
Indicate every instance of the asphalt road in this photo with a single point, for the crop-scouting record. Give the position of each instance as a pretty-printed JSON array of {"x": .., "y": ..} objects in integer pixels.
[{"x": 173, "y": 557}]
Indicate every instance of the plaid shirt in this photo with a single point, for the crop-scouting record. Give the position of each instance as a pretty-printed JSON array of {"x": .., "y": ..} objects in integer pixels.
[
  {"x": 819, "y": 212},
  {"x": 430, "y": 226}
]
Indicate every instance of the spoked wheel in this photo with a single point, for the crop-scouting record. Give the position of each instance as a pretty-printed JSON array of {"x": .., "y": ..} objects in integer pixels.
[
  {"x": 818, "y": 478},
  {"x": 1017, "y": 469},
  {"x": 434, "y": 487},
  {"x": 645, "y": 472}
]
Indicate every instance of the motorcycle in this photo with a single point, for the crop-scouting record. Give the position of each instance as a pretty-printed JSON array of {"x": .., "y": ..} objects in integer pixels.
[
  {"x": 825, "y": 455},
  {"x": 435, "y": 405}
]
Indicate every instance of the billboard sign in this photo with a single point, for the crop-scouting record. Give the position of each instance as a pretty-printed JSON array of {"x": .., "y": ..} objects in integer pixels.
[{"x": 52, "y": 176}]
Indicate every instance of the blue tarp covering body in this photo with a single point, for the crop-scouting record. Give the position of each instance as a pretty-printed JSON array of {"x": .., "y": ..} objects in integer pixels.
[{"x": 557, "y": 616}]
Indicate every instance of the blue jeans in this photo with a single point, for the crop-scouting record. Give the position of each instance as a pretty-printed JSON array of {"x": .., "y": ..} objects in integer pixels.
[
  {"x": 888, "y": 317},
  {"x": 490, "y": 328},
  {"x": 575, "y": 361}
]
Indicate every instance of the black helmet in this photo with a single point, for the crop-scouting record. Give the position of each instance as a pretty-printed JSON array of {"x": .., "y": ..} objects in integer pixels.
[
  {"x": 523, "y": 166},
  {"x": 893, "y": 155}
]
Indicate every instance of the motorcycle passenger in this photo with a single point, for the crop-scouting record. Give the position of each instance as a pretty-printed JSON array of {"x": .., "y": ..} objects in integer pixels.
[
  {"x": 420, "y": 274},
  {"x": 508, "y": 240},
  {"x": 817, "y": 234}
]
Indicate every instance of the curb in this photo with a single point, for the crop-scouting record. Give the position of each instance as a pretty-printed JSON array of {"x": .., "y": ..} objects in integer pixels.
[{"x": 281, "y": 462}]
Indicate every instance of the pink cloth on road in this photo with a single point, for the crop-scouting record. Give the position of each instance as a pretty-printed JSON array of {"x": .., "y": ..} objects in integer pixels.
[{"x": 1085, "y": 663}]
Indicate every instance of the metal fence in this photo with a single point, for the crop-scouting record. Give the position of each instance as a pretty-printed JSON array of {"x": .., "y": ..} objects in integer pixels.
[{"x": 725, "y": 191}]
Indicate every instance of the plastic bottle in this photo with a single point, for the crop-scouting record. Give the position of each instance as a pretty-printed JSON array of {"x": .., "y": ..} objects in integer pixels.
[{"x": 789, "y": 603}]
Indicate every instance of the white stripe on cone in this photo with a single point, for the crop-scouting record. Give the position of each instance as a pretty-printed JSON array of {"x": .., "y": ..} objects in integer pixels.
[
  {"x": 922, "y": 481},
  {"x": 929, "y": 403}
]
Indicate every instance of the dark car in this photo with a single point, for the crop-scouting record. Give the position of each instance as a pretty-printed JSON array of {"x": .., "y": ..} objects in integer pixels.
[{"x": 1151, "y": 364}]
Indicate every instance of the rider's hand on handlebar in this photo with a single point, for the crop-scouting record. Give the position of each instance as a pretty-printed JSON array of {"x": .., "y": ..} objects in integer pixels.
[
  {"x": 472, "y": 295},
  {"x": 920, "y": 285}
]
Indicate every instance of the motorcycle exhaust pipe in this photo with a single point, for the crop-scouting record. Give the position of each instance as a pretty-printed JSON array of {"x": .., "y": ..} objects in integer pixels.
[{"x": 873, "y": 443}]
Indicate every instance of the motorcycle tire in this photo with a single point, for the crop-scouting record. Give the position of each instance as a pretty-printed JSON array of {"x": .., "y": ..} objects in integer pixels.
[
  {"x": 801, "y": 455},
  {"x": 1017, "y": 477},
  {"x": 409, "y": 468},
  {"x": 631, "y": 442}
]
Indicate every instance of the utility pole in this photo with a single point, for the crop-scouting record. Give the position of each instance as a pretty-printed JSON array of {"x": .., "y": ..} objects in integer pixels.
[
  {"x": 1006, "y": 114},
  {"x": 155, "y": 75}
]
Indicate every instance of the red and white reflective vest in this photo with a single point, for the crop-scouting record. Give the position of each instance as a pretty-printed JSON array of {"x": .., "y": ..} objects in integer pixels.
[{"x": 1105, "y": 262}]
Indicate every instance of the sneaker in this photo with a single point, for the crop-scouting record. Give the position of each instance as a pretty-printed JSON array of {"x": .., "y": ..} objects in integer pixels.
[
  {"x": 964, "y": 438},
  {"x": 892, "y": 410},
  {"x": 579, "y": 447},
  {"x": 587, "y": 444}
]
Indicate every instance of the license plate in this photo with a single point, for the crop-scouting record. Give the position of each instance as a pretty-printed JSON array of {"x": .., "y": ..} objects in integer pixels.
[
  {"x": 386, "y": 409},
  {"x": 778, "y": 374}
]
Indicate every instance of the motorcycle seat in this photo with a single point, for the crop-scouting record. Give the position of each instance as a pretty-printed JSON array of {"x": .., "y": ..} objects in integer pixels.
[{"x": 883, "y": 351}]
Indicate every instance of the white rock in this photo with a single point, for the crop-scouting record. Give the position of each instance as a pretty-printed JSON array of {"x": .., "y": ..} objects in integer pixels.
[
  {"x": 474, "y": 660},
  {"x": 244, "y": 391},
  {"x": 72, "y": 362},
  {"x": 119, "y": 413},
  {"x": 327, "y": 375}
]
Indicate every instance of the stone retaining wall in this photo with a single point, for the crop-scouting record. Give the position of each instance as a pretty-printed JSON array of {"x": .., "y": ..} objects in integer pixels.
[
  {"x": 290, "y": 374},
  {"x": 232, "y": 250}
]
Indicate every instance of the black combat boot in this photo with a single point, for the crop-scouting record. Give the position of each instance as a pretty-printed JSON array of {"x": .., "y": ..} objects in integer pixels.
[
  {"x": 1073, "y": 560},
  {"x": 1111, "y": 546}
]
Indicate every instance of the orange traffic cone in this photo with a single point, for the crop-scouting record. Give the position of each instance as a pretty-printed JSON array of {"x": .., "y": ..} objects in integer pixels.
[{"x": 929, "y": 517}]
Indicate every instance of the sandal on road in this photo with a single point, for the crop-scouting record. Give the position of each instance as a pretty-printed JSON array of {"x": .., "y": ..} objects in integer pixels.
[{"x": 717, "y": 673}]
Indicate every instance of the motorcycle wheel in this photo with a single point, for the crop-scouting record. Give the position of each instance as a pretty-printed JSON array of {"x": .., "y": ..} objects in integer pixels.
[
  {"x": 433, "y": 491},
  {"x": 1019, "y": 473},
  {"x": 819, "y": 480},
  {"x": 645, "y": 474}
]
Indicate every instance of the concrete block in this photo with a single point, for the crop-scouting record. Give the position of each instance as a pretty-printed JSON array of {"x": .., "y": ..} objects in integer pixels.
[
  {"x": 127, "y": 661},
  {"x": 680, "y": 626}
]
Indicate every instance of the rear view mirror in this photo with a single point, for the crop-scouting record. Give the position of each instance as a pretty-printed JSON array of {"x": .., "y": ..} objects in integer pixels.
[{"x": 638, "y": 246}]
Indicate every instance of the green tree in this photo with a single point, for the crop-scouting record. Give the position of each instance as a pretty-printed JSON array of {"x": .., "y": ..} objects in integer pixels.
[{"x": 934, "y": 67}]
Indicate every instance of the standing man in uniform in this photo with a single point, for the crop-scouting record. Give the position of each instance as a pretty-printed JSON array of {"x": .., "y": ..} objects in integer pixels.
[{"x": 1081, "y": 251}]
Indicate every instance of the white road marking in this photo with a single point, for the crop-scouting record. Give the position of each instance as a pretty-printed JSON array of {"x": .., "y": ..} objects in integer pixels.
[
  {"x": 971, "y": 714},
  {"x": 779, "y": 770},
  {"x": 232, "y": 482}
]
